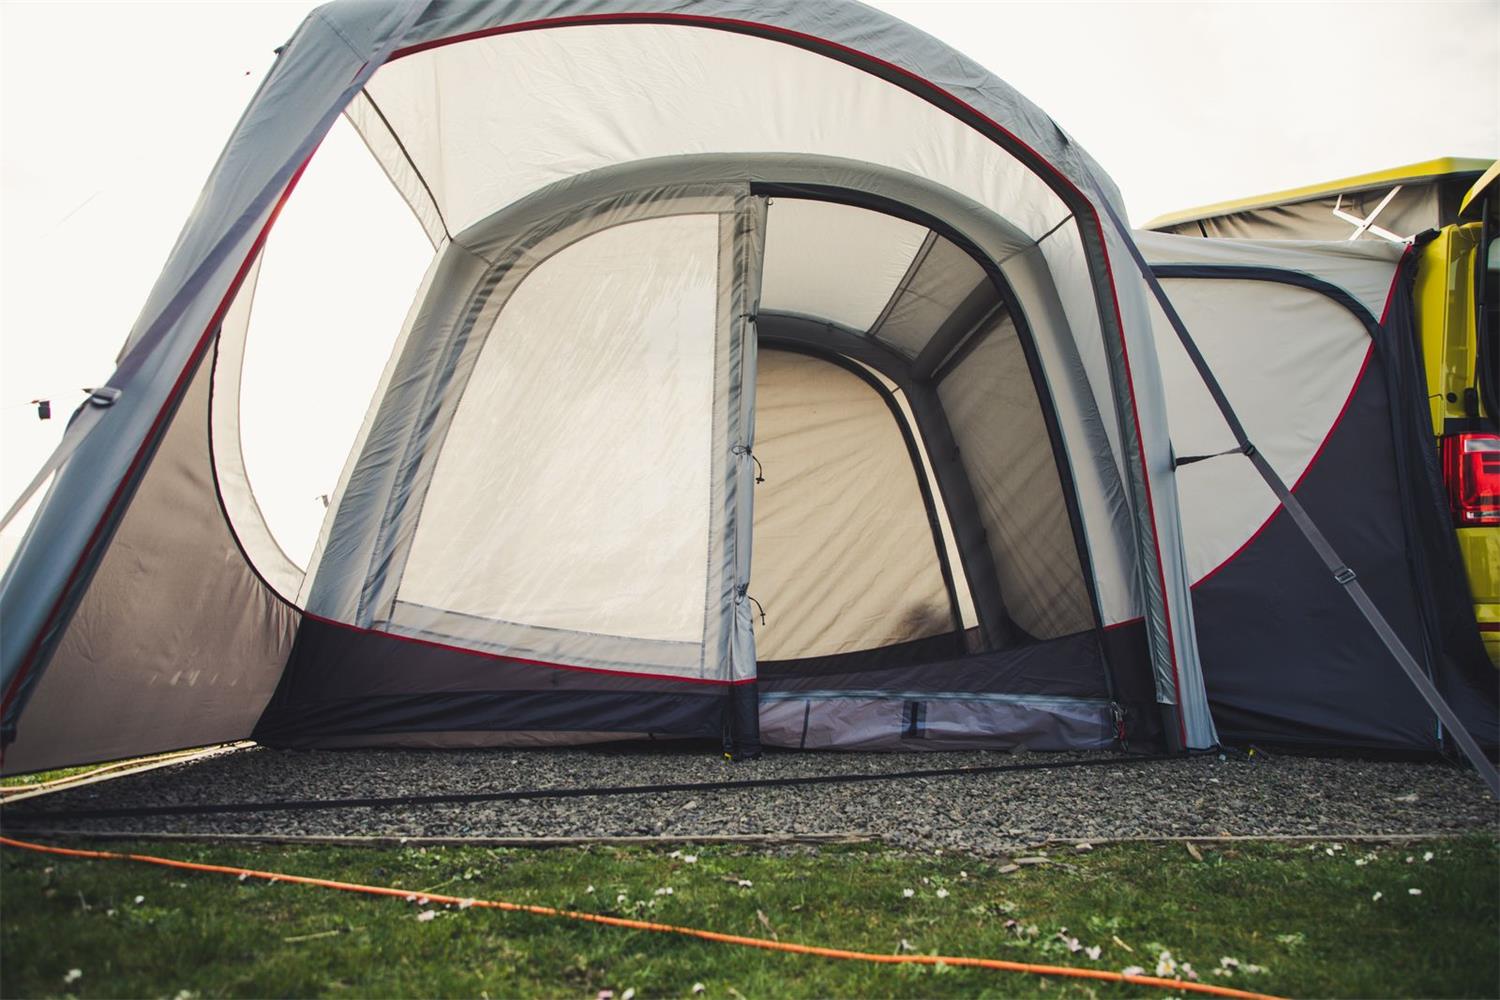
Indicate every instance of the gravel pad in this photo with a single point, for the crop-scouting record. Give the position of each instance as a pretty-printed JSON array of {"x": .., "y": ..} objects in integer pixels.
[{"x": 989, "y": 814}]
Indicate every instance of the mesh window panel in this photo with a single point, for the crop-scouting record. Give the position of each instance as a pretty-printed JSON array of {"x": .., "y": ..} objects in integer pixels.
[
  {"x": 1002, "y": 439},
  {"x": 573, "y": 489},
  {"x": 933, "y": 292}
]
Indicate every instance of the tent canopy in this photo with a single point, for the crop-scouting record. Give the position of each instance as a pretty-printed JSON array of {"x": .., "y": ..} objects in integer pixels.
[{"x": 778, "y": 374}]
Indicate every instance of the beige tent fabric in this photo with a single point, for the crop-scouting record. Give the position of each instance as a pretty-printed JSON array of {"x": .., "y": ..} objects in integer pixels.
[
  {"x": 1363, "y": 268},
  {"x": 520, "y": 111},
  {"x": 177, "y": 642},
  {"x": 1002, "y": 439},
  {"x": 844, "y": 555},
  {"x": 834, "y": 262}
]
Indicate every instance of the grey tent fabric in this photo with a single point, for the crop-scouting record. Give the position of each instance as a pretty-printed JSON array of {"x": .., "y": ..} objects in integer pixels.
[
  {"x": 1403, "y": 208},
  {"x": 935, "y": 291},
  {"x": 131, "y": 674},
  {"x": 1413, "y": 209},
  {"x": 490, "y": 505}
]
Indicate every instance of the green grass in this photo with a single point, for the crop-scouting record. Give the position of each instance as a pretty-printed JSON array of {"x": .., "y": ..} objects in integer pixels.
[
  {"x": 39, "y": 777},
  {"x": 19, "y": 781},
  {"x": 1305, "y": 915}
]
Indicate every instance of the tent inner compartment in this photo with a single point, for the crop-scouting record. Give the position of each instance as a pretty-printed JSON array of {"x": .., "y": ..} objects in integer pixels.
[{"x": 562, "y": 471}]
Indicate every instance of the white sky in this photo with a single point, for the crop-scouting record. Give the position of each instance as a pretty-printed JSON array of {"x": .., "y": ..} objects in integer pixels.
[{"x": 111, "y": 115}]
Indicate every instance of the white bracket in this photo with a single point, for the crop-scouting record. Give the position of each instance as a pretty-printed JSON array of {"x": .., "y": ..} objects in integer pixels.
[{"x": 1367, "y": 224}]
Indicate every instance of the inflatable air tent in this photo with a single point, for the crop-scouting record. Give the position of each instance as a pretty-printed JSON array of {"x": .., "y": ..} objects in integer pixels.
[{"x": 779, "y": 376}]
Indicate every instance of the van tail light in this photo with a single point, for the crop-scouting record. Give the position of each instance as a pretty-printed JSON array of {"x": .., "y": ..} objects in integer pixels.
[{"x": 1471, "y": 468}]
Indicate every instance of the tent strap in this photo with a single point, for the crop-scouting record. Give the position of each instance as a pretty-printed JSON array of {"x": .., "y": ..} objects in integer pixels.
[{"x": 1342, "y": 574}]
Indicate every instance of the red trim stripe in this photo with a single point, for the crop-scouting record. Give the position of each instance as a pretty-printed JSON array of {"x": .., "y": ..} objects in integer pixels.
[
  {"x": 1348, "y": 400},
  {"x": 1364, "y": 367}
]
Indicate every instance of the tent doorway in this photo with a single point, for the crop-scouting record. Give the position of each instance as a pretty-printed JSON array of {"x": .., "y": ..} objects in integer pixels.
[{"x": 849, "y": 555}]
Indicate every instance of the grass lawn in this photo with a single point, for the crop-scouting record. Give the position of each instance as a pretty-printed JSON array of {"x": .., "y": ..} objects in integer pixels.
[
  {"x": 22, "y": 782},
  {"x": 42, "y": 777},
  {"x": 1306, "y": 915}
]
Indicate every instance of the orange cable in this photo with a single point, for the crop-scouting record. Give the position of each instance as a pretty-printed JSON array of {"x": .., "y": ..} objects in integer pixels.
[{"x": 645, "y": 925}]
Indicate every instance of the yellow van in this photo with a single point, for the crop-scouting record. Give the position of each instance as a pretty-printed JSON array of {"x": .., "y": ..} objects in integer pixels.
[{"x": 1458, "y": 316}]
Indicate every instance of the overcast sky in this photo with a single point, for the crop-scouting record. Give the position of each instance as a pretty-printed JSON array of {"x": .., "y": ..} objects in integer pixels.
[{"x": 111, "y": 115}]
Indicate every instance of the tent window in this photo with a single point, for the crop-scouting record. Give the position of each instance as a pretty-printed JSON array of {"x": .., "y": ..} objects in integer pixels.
[
  {"x": 302, "y": 349},
  {"x": 991, "y": 403},
  {"x": 573, "y": 487}
]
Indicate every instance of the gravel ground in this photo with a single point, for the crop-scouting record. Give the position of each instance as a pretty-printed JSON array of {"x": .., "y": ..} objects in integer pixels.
[{"x": 989, "y": 814}]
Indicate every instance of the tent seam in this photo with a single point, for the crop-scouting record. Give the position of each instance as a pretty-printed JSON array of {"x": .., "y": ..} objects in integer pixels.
[{"x": 406, "y": 155}]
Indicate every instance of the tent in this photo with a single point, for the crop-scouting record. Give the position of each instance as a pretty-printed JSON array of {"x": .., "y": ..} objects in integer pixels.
[
  {"x": 1313, "y": 343},
  {"x": 778, "y": 375}
]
